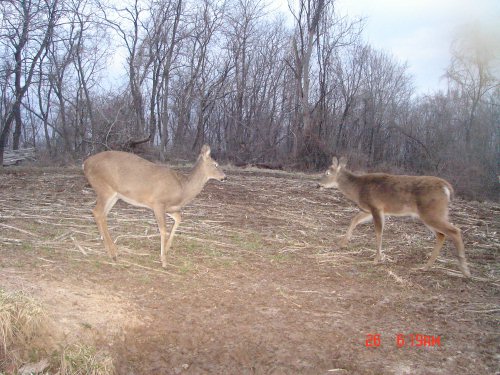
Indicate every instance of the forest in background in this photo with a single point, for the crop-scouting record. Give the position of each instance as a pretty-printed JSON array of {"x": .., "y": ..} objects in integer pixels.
[{"x": 257, "y": 85}]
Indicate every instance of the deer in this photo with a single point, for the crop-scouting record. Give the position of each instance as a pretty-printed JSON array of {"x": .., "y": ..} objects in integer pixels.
[
  {"x": 121, "y": 175},
  {"x": 379, "y": 195}
]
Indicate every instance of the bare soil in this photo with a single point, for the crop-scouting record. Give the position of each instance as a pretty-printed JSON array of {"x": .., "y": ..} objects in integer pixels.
[{"x": 256, "y": 283}]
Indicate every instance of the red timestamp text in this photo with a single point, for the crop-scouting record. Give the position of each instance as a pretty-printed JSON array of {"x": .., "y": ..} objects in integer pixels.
[
  {"x": 418, "y": 340},
  {"x": 374, "y": 340}
]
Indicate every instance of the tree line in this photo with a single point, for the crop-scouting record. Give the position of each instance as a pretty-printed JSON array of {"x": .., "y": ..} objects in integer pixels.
[{"x": 258, "y": 85}]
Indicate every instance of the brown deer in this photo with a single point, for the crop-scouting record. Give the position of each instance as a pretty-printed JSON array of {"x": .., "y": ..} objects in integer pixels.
[
  {"x": 380, "y": 194},
  {"x": 120, "y": 175}
]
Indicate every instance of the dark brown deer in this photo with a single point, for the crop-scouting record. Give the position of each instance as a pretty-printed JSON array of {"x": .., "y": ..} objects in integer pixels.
[
  {"x": 120, "y": 175},
  {"x": 380, "y": 194}
]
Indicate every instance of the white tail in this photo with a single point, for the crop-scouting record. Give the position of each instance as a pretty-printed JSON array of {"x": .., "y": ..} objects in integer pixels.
[
  {"x": 379, "y": 194},
  {"x": 119, "y": 175}
]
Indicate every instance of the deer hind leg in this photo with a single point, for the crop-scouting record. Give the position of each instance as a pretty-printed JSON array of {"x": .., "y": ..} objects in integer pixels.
[
  {"x": 440, "y": 237},
  {"x": 447, "y": 229},
  {"x": 104, "y": 204},
  {"x": 378, "y": 221},
  {"x": 456, "y": 236},
  {"x": 360, "y": 218}
]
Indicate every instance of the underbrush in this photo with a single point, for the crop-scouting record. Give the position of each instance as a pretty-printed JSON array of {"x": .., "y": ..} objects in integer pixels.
[
  {"x": 27, "y": 342},
  {"x": 84, "y": 359},
  {"x": 24, "y": 329}
]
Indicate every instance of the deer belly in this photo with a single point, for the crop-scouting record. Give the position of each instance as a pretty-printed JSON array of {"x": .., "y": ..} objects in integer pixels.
[
  {"x": 403, "y": 211},
  {"x": 132, "y": 201}
]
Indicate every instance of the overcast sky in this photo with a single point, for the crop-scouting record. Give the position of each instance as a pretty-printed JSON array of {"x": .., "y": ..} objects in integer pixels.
[{"x": 420, "y": 31}]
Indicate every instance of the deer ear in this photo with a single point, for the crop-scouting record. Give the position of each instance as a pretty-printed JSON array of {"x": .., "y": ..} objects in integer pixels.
[
  {"x": 335, "y": 162},
  {"x": 205, "y": 151},
  {"x": 343, "y": 162}
]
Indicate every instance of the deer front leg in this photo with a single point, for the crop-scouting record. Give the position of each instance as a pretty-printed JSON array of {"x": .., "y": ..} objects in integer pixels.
[
  {"x": 160, "y": 219},
  {"x": 378, "y": 220},
  {"x": 101, "y": 210},
  {"x": 176, "y": 216},
  {"x": 360, "y": 218}
]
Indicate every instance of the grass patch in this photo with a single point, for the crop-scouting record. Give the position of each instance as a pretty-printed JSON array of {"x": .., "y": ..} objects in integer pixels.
[
  {"x": 251, "y": 242},
  {"x": 187, "y": 245},
  {"x": 24, "y": 329},
  {"x": 145, "y": 278},
  {"x": 198, "y": 248},
  {"x": 27, "y": 246},
  {"x": 25, "y": 338},
  {"x": 85, "y": 359},
  {"x": 280, "y": 257},
  {"x": 186, "y": 267}
]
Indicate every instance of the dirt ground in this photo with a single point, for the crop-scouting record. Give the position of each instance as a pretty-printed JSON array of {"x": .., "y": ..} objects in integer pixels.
[{"x": 256, "y": 283}]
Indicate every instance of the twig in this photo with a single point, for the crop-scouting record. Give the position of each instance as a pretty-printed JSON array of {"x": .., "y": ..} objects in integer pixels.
[
  {"x": 283, "y": 294},
  {"x": 18, "y": 229},
  {"x": 483, "y": 311},
  {"x": 459, "y": 274},
  {"x": 7, "y": 240},
  {"x": 79, "y": 247},
  {"x": 398, "y": 278}
]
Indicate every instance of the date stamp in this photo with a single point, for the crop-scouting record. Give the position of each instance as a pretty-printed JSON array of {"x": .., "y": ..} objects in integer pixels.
[{"x": 374, "y": 340}]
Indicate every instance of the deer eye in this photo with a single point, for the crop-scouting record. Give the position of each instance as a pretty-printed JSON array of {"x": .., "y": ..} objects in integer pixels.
[
  {"x": 327, "y": 173},
  {"x": 216, "y": 165}
]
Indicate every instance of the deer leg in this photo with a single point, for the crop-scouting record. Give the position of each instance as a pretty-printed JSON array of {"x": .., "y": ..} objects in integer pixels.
[
  {"x": 456, "y": 236},
  {"x": 440, "y": 237},
  {"x": 454, "y": 233},
  {"x": 360, "y": 218},
  {"x": 101, "y": 211},
  {"x": 378, "y": 221},
  {"x": 159, "y": 212},
  {"x": 176, "y": 216}
]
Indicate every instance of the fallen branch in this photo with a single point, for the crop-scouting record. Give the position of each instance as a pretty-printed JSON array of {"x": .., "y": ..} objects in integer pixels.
[
  {"x": 79, "y": 247},
  {"x": 18, "y": 229}
]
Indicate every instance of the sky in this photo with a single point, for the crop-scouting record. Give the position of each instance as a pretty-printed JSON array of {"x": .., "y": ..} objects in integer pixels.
[{"x": 420, "y": 32}]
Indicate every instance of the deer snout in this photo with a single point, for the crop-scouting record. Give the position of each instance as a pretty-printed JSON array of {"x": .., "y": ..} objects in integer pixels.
[{"x": 319, "y": 186}]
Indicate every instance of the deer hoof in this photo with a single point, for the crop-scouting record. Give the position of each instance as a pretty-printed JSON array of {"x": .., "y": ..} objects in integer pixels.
[
  {"x": 465, "y": 270},
  {"x": 343, "y": 243},
  {"x": 425, "y": 268}
]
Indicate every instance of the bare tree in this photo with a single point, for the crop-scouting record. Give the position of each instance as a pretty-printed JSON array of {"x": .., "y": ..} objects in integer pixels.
[
  {"x": 307, "y": 19},
  {"x": 348, "y": 74},
  {"x": 127, "y": 21},
  {"x": 90, "y": 45},
  {"x": 241, "y": 38},
  {"x": 471, "y": 72},
  {"x": 206, "y": 21},
  {"x": 27, "y": 30},
  {"x": 386, "y": 89}
]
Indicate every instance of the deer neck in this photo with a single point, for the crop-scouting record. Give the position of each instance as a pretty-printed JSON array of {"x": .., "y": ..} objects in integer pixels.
[
  {"x": 348, "y": 184},
  {"x": 194, "y": 183}
]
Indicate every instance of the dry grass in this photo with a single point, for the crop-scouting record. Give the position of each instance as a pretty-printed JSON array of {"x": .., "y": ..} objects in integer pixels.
[
  {"x": 85, "y": 360},
  {"x": 24, "y": 329},
  {"x": 26, "y": 338}
]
